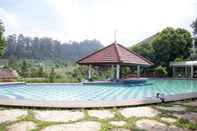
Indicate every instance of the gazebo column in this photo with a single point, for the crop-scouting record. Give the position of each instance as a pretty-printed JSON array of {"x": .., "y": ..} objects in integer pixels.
[
  {"x": 112, "y": 71},
  {"x": 138, "y": 71},
  {"x": 117, "y": 71},
  {"x": 173, "y": 71},
  {"x": 89, "y": 72},
  {"x": 192, "y": 71},
  {"x": 185, "y": 71}
]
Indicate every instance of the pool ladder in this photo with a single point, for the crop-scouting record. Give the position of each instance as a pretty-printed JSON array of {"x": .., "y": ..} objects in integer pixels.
[{"x": 161, "y": 96}]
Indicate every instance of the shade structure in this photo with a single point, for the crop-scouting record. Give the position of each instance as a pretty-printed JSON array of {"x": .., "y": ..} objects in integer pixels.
[
  {"x": 191, "y": 65},
  {"x": 114, "y": 54}
]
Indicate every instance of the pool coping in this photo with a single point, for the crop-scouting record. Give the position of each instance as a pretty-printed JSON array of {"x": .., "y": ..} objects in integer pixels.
[
  {"x": 11, "y": 83},
  {"x": 91, "y": 104}
]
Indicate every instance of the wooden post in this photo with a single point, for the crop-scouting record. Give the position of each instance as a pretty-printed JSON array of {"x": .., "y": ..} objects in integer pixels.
[
  {"x": 117, "y": 71},
  {"x": 138, "y": 71},
  {"x": 89, "y": 72}
]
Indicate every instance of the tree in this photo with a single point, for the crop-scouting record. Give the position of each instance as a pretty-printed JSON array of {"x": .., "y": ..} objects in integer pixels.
[
  {"x": 40, "y": 71},
  {"x": 24, "y": 69},
  {"x": 161, "y": 70},
  {"x": 11, "y": 44},
  {"x": 52, "y": 75},
  {"x": 2, "y": 40},
  {"x": 170, "y": 44},
  {"x": 12, "y": 62},
  {"x": 144, "y": 49},
  {"x": 47, "y": 48},
  {"x": 194, "y": 26}
]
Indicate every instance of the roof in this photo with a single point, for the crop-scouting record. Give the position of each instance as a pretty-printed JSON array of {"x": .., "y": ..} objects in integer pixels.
[
  {"x": 8, "y": 74},
  {"x": 183, "y": 63},
  {"x": 114, "y": 54}
]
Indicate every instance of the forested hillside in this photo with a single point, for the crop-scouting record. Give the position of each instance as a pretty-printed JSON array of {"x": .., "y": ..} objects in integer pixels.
[{"x": 46, "y": 48}]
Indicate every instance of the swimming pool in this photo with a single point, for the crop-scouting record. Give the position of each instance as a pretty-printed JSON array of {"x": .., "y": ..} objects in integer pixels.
[{"x": 98, "y": 92}]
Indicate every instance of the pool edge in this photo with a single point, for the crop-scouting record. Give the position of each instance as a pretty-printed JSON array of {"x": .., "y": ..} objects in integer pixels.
[{"x": 92, "y": 104}]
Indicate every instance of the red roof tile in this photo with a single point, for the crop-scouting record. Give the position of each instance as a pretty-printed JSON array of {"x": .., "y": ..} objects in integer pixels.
[{"x": 114, "y": 54}]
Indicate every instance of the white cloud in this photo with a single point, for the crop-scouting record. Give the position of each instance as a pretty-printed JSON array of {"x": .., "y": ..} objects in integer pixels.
[
  {"x": 16, "y": 25},
  {"x": 134, "y": 20},
  {"x": 9, "y": 20}
]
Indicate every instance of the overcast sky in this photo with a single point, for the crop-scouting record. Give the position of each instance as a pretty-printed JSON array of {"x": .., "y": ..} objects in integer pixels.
[{"x": 77, "y": 20}]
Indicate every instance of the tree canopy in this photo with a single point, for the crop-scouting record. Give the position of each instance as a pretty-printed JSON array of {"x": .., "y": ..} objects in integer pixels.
[
  {"x": 168, "y": 45},
  {"x": 194, "y": 26},
  {"x": 46, "y": 48},
  {"x": 144, "y": 49},
  {"x": 171, "y": 44},
  {"x": 2, "y": 41}
]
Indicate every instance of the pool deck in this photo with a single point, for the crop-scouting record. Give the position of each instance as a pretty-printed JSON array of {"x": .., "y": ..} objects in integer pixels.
[{"x": 91, "y": 104}]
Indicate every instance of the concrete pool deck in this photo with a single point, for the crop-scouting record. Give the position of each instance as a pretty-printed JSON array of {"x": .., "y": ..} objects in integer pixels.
[
  {"x": 91, "y": 104},
  {"x": 173, "y": 116}
]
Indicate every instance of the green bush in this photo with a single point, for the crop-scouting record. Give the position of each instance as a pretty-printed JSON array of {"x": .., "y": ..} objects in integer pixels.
[
  {"x": 52, "y": 75},
  {"x": 161, "y": 70},
  {"x": 35, "y": 80}
]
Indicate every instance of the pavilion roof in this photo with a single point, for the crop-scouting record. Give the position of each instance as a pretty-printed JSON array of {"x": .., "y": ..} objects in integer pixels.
[{"x": 114, "y": 54}]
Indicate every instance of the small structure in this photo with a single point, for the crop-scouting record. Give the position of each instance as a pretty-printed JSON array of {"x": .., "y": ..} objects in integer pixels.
[
  {"x": 186, "y": 69},
  {"x": 7, "y": 75},
  {"x": 114, "y": 55}
]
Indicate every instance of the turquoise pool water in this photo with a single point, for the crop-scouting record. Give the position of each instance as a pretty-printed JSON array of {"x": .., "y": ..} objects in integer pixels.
[{"x": 105, "y": 92}]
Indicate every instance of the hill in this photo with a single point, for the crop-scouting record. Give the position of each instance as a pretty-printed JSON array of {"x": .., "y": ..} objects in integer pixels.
[{"x": 148, "y": 40}]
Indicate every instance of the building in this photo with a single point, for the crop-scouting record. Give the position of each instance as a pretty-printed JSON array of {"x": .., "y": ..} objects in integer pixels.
[{"x": 7, "y": 75}]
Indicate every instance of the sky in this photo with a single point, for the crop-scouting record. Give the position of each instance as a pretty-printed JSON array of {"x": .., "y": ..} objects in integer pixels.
[{"x": 76, "y": 20}]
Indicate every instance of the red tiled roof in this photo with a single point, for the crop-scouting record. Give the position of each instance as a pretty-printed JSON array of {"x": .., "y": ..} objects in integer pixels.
[
  {"x": 114, "y": 54},
  {"x": 8, "y": 74}
]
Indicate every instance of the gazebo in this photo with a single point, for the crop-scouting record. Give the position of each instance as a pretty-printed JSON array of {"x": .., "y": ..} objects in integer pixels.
[{"x": 114, "y": 55}]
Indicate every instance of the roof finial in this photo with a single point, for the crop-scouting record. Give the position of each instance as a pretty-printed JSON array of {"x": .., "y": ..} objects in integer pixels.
[{"x": 115, "y": 31}]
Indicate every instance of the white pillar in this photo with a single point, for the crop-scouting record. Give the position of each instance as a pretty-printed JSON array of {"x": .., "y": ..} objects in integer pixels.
[
  {"x": 138, "y": 71},
  {"x": 89, "y": 72},
  {"x": 112, "y": 71},
  {"x": 117, "y": 71},
  {"x": 192, "y": 71}
]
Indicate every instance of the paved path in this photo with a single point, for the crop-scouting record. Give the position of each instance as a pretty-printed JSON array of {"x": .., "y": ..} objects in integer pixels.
[{"x": 175, "y": 116}]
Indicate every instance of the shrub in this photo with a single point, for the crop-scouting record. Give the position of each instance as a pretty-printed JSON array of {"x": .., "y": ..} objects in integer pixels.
[
  {"x": 52, "y": 75},
  {"x": 161, "y": 70}
]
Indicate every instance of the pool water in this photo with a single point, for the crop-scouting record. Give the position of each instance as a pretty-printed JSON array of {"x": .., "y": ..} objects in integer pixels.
[{"x": 107, "y": 92}]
